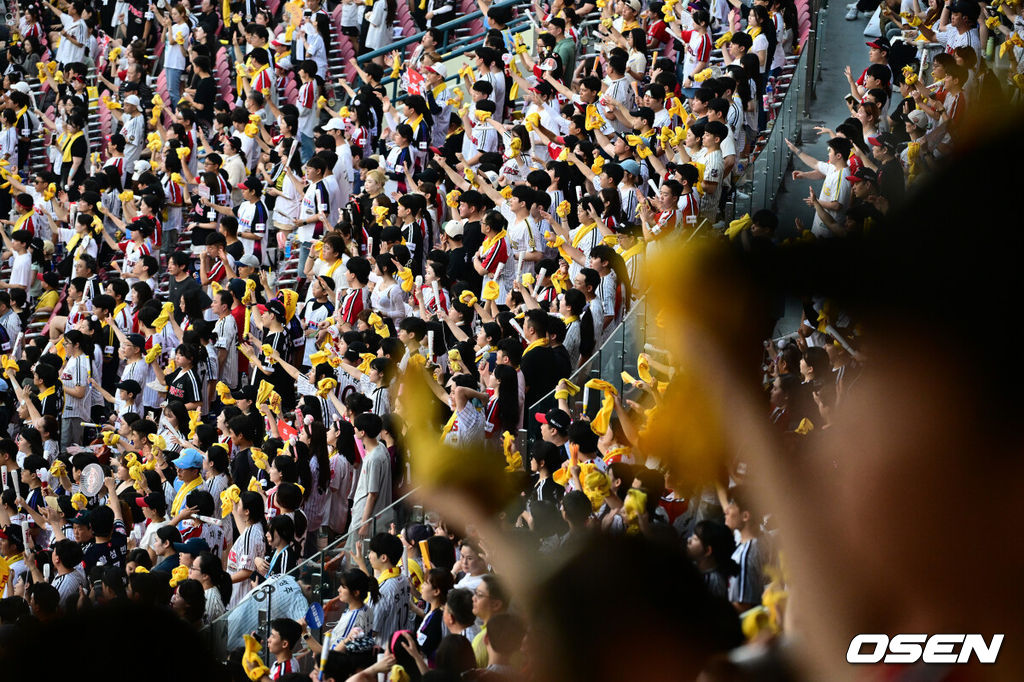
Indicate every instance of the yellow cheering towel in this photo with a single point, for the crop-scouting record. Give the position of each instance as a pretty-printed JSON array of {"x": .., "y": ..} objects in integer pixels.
[
  {"x": 79, "y": 501},
  {"x": 738, "y": 225},
  {"x": 228, "y": 498},
  {"x": 560, "y": 281},
  {"x": 452, "y": 198},
  {"x": 319, "y": 357},
  {"x": 157, "y": 444},
  {"x": 532, "y": 121},
  {"x": 254, "y": 485},
  {"x": 595, "y": 484},
  {"x": 506, "y": 192},
  {"x": 528, "y": 279},
  {"x": 467, "y": 298},
  {"x": 381, "y": 329},
  {"x": 268, "y": 353},
  {"x": 126, "y": 196},
  {"x": 513, "y": 459},
  {"x": 406, "y": 276},
  {"x": 909, "y": 75},
  {"x": 491, "y": 291},
  {"x": 804, "y": 427},
  {"x": 603, "y": 417},
  {"x": 723, "y": 39},
  {"x": 193, "y": 423},
  {"x": 259, "y": 458},
  {"x": 455, "y": 360},
  {"x": 166, "y": 310},
  {"x": 381, "y": 213},
  {"x": 365, "y": 360},
  {"x": 702, "y": 76},
  {"x": 677, "y": 108},
  {"x": 643, "y": 368},
  {"x": 224, "y": 393},
  {"x": 58, "y": 468},
  {"x": 325, "y": 386},
  {"x": 563, "y": 209},
  {"x": 178, "y": 574},
  {"x": 111, "y": 439},
  {"x": 598, "y": 165},
  {"x": 153, "y": 353},
  {"x": 263, "y": 392},
  {"x": 252, "y": 664},
  {"x": 634, "y": 507},
  {"x": 564, "y": 393}
]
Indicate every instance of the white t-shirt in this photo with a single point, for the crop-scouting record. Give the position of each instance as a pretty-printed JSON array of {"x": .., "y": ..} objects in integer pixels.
[
  {"x": 68, "y": 52},
  {"x": 835, "y": 187},
  {"x": 174, "y": 54},
  {"x": 21, "y": 269},
  {"x": 76, "y": 373}
]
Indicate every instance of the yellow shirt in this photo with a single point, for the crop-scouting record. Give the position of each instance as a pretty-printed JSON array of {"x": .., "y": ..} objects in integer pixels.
[{"x": 48, "y": 300}]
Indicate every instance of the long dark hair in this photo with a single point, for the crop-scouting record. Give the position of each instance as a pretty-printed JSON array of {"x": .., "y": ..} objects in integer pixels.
[
  {"x": 210, "y": 565},
  {"x": 355, "y": 580},
  {"x": 508, "y": 397},
  {"x": 618, "y": 266},
  {"x": 719, "y": 538},
  {"x": 317, "y": 433}
]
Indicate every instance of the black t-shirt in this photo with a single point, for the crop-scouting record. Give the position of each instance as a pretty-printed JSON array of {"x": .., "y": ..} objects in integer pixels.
[
  {"x": 460, "y": 265},
  {"x": 891, "y": 184},
  {"x": 236, "y": 250},
  {"x": 111, "y": 553},
  {"x": 183, "y": 386},
  {"x": 206, "y": 94},
  {"x": 540, "y": 368}
]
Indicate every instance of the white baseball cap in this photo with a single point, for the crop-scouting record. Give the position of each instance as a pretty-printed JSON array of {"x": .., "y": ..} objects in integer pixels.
[
  {"x": 134, "y": 101},
  {"x": 139, "y": 168},
  {"x": 455, "y": 228},
  {"x": 335, "y": 124},
  {"x": 439, "y": 68}
]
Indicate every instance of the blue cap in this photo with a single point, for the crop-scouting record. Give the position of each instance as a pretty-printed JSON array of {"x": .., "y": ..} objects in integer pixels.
[
  {"x": 190, "y": 459},
  {"x": 193, "y": 546},
  {"x": 631, "y": 167}
]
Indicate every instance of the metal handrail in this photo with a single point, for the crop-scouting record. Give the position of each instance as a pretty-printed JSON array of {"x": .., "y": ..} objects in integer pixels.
[
  {"x": 448, "y": 50},
  {"x": 634, "y": 320},
  {"x": 318, "y": 559}
]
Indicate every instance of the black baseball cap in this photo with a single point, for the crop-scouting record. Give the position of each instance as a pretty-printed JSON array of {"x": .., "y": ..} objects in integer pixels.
[
  {"x": 130, "y": 385},
  {"x": 880, "y": 43},
  {"x": 137, "y": 340},
  {"x": 887, "y": 140},
  {"x": 247, "y": 392},
  {"x": 865, "y": 174},
  {"x": 555, "y": 418}
]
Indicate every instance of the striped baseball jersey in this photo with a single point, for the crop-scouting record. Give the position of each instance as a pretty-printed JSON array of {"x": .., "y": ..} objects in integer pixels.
[{"x": 391, "y": 612}]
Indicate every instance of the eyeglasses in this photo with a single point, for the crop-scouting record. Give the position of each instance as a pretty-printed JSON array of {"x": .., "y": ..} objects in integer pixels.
[{"x": 480, "y": 595}]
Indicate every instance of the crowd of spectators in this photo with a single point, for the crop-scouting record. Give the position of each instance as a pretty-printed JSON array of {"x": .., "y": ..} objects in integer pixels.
[{"x": 224, "y": 250}]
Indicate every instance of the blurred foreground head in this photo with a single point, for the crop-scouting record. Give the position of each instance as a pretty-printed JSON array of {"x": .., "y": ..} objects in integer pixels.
[{"x": 901, "y": 517}]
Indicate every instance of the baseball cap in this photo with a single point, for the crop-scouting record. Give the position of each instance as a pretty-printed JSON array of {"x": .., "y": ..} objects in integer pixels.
[
  {"x": 193, "y": 546},
  {"x": 134, "y": 101},
  {"x": 139, "y": 168},
  {"x": 631, "y": 167},
  {"x": 335, "y": 124},
  {"x": 251, "y": 182},
  {"x": 863, "y": 173},
  {"x": 237, "y": 287},
  {"x": 440, "y": 69},
  {"x": 129, "y": 385},
  {"x": 81, "y": 518},
  {"x": 880, "y": 43},
  {"x": 965, "y": 8},
  {"x": 249, "y": 260},
  {"x": 190, "y": 458},
  {"x": 275, "y": 307},
  {"x": 12, "y": 533},
  {"x": 919, "y": 119},
  {"x": 454, "y": 228},
  {"x": 153, "y": 501},
  {"x": 633, "y": 5},
  {"x": 555, "y": 418},
  {"x": 137, "y": 340},
  {"x": 884, "y": 140},
  {"x": 418, "y": 532}
]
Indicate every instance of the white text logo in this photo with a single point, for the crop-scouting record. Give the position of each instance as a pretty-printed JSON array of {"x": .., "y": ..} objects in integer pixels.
[{"x": 911, "y": 648}]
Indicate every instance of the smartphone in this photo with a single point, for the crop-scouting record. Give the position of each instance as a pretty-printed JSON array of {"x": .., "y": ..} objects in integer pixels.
[{"x": 850, "y": 99}]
